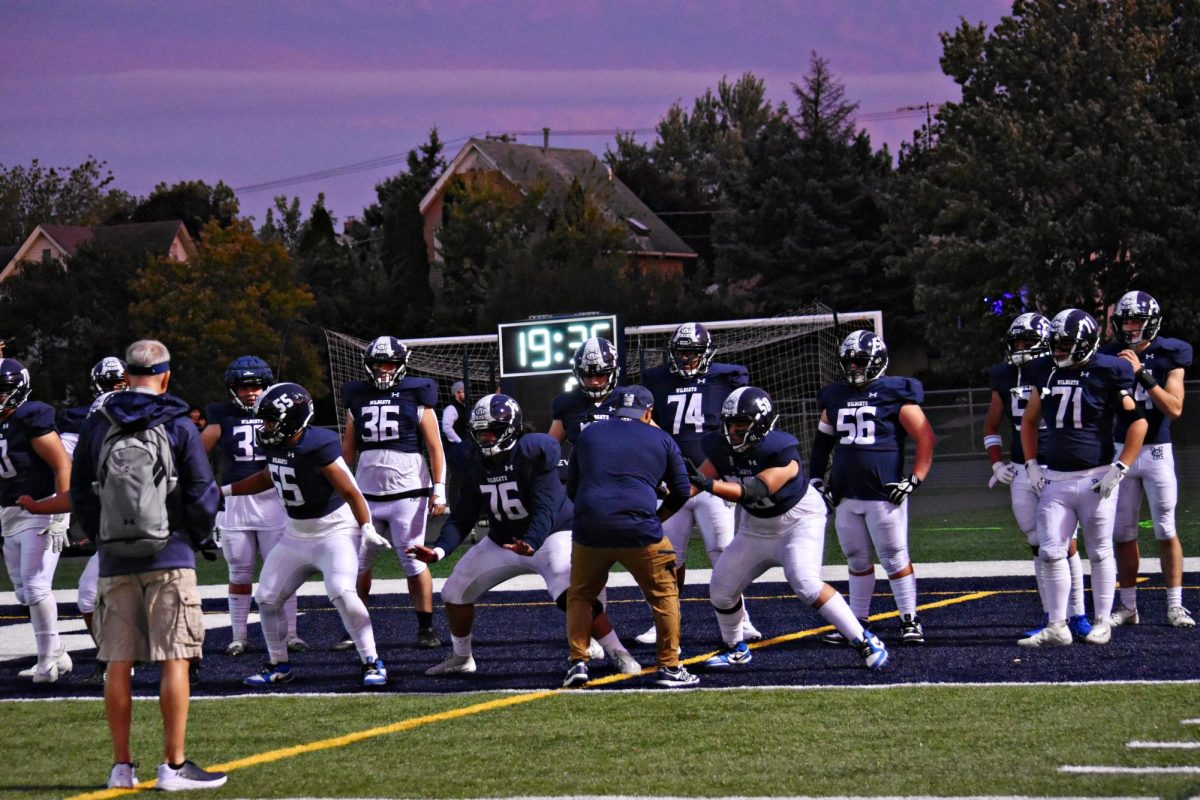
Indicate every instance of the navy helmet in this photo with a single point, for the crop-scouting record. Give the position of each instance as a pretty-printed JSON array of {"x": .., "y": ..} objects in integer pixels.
[
  {"x": 1028, "y": 337},
  {"x": 596, "y": 357},
  {"x": 247, "y": 371},
  {"x": 14, "y": 384},
  {"x": 108, "y": 375},
  {"x": 285, "y": 410},
  {"x": 691, "y": 350},
  {"x": 1074, "y": 337},
  {"x": 500, "y": 416},
  {"x": 747, "y": 405},
  {"x": 863, "y": 357},
  {"x": 1136, "y": 306},
  {"x": 385, "y": 350}
]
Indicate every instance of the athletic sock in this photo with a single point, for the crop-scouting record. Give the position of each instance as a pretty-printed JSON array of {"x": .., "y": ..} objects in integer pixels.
[
  {"x": 239, "y": 613},
  {"x": 1104, "y": 585},
  {"x": 1075, "y": 564},
  {"x": 1129, "y": 597},
  {"x": 461, "y": 644},
  {"x": 838, "y": 614},
  {"x": 1174, "y": 596},
  {"x": 904, "y": 590},
  {"x": 862, "y": 587}
]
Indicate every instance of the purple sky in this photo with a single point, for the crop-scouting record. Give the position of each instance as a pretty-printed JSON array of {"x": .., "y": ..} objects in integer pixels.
[{"x": 253, "y": 92}]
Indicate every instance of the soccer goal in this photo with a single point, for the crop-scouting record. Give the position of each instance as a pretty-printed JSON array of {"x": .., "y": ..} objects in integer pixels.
[{"x": 791, "y": 357}]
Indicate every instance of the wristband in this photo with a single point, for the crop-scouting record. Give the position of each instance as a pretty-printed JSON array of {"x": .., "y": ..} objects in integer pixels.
[
  {"x": 992, "y": 440},
  {"x": 439, "y": 490},
  {"x": 1146, "y": 379},
  {"x": 1120, "y": 467},
  {"x": 440, "y": 553},
  {"x": 227, "y": 490}
]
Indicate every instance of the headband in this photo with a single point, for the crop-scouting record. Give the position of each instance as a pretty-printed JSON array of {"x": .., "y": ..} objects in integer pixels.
[{"x": 153, "y": 369}]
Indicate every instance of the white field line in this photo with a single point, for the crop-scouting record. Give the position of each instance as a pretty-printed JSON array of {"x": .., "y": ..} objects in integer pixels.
[
  {"x": 1103, "y": 770},
  {"x": 1163, "y": 745},
  {"x": 1190, "y": 722},
  {"x": 786, "y": 797}
]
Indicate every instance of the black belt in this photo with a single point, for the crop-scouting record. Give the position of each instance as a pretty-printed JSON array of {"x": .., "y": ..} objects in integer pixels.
[{"x": 383, "y": 498}]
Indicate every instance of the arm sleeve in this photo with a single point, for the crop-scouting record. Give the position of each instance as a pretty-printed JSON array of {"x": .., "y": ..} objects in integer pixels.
[
  {"x": 463, "y": 515},
  {"x": 818, "y": 461},
  {"x": 573, "y": 474}
]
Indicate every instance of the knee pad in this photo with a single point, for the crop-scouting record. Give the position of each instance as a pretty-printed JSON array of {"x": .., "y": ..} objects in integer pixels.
[
  {"x": 894, "y": 560},
  {"x": 809, "y": 590},
  {"x": 1055, "y": 552},
  {"x": 412, "y": 566},
  {"x": 1031, "y": 538},
  {"x": 714, "y": 555},
  {"x": 1099, "y": 551},
  {"x": 21, "y": 597},
  {"x": 35, "y": 594},
  {"x": 859, "y": 562},
  {"x": 241, "y": 574},
  {"x": 86, "y": 603},
  {"x": 1122, "y": 533}
]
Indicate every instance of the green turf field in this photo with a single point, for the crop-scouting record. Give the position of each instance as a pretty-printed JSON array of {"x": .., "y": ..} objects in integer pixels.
[{"x": 897, "y": 741}]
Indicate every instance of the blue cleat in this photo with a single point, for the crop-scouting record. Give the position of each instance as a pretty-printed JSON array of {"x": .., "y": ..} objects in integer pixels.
[
  {"x": 734, "y": 658},
  {"x": 1029, "y": 634},
  {"x": 1080, "y": 625},
  {"x": 270, "y": 675},
  {"x": 874, "y": 654},
  {"x": 374, "y": 673}
]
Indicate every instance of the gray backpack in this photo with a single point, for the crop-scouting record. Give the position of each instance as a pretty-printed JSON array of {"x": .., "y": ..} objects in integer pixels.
[{"x": 136, "y": 473}]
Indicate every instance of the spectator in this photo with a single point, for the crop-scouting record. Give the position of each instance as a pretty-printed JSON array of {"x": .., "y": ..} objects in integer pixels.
[
  {"x": 198, "y": 419},
  {"x": 454, "y": 416},
  {"x": 149, "y": 608}
]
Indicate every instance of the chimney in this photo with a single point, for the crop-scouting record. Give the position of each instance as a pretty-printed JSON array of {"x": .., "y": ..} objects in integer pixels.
[{"x": 545, "y": 139}]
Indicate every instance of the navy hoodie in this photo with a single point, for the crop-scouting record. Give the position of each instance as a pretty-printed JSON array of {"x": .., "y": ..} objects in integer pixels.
[{"x": 191, "y": 508}]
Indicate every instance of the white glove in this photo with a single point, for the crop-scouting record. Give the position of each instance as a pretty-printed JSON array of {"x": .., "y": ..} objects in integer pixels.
[
  {"x": 216, "y": 536},
  {"x": 56, "y": 534},
  {"x": 370, "y": 538},
  {"x": 821, "y": 489},
  {"x": 1002, "y": 472},
  {"x": 899, "y": 491},
  {"x": 1108, "y": 484},
  {"x": 1037, "y": 481}
]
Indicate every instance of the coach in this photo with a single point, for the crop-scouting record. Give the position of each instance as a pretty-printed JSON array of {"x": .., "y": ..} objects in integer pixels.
[{"x": 148, "y": 608}]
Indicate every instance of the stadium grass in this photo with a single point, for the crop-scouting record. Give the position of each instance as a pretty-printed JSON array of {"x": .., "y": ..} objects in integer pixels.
[{"x": 915, "y": 740}]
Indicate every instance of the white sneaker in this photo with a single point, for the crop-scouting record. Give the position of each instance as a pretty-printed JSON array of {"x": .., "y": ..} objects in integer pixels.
[
  {"x": 1180, "y": 617},
  {"x": 625, "y": 663},
  {"x": 1124, "y": 616},
  {"x": 62, "y": 660},
  {"x": 188, "y": 776},
  {"x": 45, "y": 674},
  {"x": 650, "y": 636},
  {"x": 1101, "y": 634},
  {"x": 595, "y": 651},
  {"x": 237, "y": 647},
  {"x": 296, "y": 645},
  {"x": 453, "y": 665},
  {"x": 749, "y": 632},
  {"x": 1057, "y": 635},
  {"x": 123, "y": 776}
]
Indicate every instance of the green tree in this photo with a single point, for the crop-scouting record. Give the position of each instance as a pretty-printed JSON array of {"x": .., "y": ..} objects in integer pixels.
[
  {"x": 239, "y": 295},
  {"x": 33, "y": 195},
  {"x": 194, "y": 203},
  {"x": 1065, "y": 176}
]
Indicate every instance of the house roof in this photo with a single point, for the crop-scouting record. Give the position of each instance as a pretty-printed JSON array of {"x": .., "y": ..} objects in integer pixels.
[
  {"x": 528, "y": 165},
  {"x": 153, "y": 236}
]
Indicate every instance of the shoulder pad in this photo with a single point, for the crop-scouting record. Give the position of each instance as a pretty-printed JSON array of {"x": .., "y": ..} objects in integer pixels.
[{"x": 539, "y": 449}]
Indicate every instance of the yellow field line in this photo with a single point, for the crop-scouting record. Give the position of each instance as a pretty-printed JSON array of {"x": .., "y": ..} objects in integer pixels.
[{"x": 478, "y": 708}]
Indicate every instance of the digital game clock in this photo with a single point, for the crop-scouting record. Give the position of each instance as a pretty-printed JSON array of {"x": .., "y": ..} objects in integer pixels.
[{"x": 547, "y": 346}]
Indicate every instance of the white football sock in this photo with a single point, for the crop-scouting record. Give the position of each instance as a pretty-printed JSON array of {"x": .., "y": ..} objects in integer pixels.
[
  {"x": 461, "y": 645},
  {"x": 838, "y": 614},
  {"x": 1104, "y": 586},
  {"x": 44, "y": 615},
  {"x": 1174, "y": 596},
  {"x": 611, "y": 642},
  {"x": 289, "y": 613},
  {"x": 357, "y": 621},
  {"x": 904, "y": 590},
  {"x": 1129, "y": 597},
  {"x": 274, "y": 628},
  {"x": 1056, "y": 580},
  {"x": 862, "y": 587},
  {"x": 731, "y": 625},
  {"x": 1075, "y": 564},
  {"x": 239, "y": 612}
]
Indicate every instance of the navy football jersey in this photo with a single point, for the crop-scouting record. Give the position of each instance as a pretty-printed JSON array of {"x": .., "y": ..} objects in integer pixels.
[
  {"x": 575, "y": 410},
  {"x": 521, "y": 494},
  {"x": 389, "y": 419},
  {"x": 1014, "y": 387},
  {"x": 22, "y": 470},
  {"x": 870, "y": 439},
  {"x": 777, "y": 449},
  {"x": 1162, "y": 356},
  {"x": 241, "y": 454},
  {"x": 296, "y": 471},
  {"x": 1078, "y": 407},
  {"x": 70, "y": 420},
  {"x": 687, "y": 408}
]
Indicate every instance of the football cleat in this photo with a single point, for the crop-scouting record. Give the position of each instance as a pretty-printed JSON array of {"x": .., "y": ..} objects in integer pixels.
[
  {"x": 1050, "y": 636},
  {"x": 911, "y": 631},
  {"x": 345, "y": 644},
  {"x": 595, "y": 651},
  {"x": 836, "y": 638},
  {"x": 1124, "y": 616},
  {"x": 45, "y": 673},
  {"x": 427, "y": 639},
  {"x": 577, "y": 675},
  {"x": 453, "y": 665},
  {"x": 374, "y": 674},
  {"x": 649, "y": 636},
  {"x": 874, "y": 654},
  {"x": 62, "y": 660},
  {"x": 296, "y": 645},
  {"x": 1101, "y": 634},
  {"x": 734, "y": 658},
  {"x": 123, "y": 776},
  {"x": 188, "y": 776},
  {"x": 237, "y": 647},
  {"x": 749, "y": 632},
  {"x": 675, "y": 678},
  {"x": 1034, "y": 631},
  {"x": 270, "y": 674},
  {"x": 625, "y": 663},
  {"x": 1080, "y": 625},
  {"x": 1180, "y": 617}
]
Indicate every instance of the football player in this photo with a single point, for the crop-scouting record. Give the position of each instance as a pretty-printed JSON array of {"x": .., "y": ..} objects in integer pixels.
[
  {"x": 329, "y": 525},
  {"x": 865, "y": 421},
  {"x": 389, "y": 417},
  {"x": 250, "y": 525},
  {"x": 1158, "y": 363},
  {"x": 781, "y": 523},
  {"x": 33, "y": 462},
  {"x": 688, "y": 392},
  {"x": 595, "y": 368},
  {"x": 1028, "y": 338},
  {"x": 1079, "y": 394},
  {"x": 512, "y": 477}
]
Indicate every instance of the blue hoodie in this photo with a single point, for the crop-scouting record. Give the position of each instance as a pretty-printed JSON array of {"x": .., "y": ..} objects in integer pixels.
[{"x": 191, "y": 508}]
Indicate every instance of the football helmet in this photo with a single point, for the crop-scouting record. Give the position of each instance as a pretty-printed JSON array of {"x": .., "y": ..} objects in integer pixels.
[
  {"x": 691, "y": 350},
  {"x": 1132, "y": 307},
  {"x": 108, "y": 375},
  {"x": 385, "y": 350},
  {"x": 863, "y": 357},
  {"x": 751, "y": 406},
  {"x": 1075, "y": 333},
  {"x": 246, "y": 371},
  {"x": 1029, "y": 327},
  {"x": 14, "y": 384},
  {"x": 285, "y": 410},
  {"x": 496, "y": 423},
  {"x": 596, "y": 357}
]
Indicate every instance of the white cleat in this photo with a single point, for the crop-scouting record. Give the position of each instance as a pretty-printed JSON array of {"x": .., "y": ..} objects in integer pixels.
[
  {"x": 1180, "y": 617},
  {"x": 1058, "y": 635},
  {"x": 45, "y": 674},
  {"x": 1124, "y": 616},
  {"x": 237, "y": 647},
  {"x": 296, "y": 645},
  {"x": 750, "y": 633},
  {"x": 625, "y": 663},
  {"x": 62, "y": 663},
  {"x": 1101, "y": 634},
  {"x": 454, "y": 665},
  {"x": 650, "y": 636},
  {"x": 595, "y": 651}
]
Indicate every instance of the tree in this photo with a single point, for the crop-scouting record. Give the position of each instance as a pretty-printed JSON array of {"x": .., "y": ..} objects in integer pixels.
[
  {"x": 239, "y": 295},
  {"x": 33, "y": 195},
  {"x": 192, "y": 202},
  {"x": 1065, "y": 176}
]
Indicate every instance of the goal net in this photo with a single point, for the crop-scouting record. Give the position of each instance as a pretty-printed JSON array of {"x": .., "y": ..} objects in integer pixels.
[{"x": 791, "y": 357}]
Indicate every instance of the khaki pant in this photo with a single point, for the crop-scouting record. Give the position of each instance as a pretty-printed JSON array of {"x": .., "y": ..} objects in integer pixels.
[
  {"x": 149, "y": 616},
  {"x": 652, "y": 566}
]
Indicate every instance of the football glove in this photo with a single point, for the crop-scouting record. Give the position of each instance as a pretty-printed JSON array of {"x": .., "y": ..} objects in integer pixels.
[
  {"x": 823, "y": 492},
  {"x": 698, "y": 478},
  {"x": 370, "y": 538},
  {"x": 901, "y": 489},
  {"x": 56, "y": 533},
  {"x": 1003, "y": 472},
  {"x": 1108, "y": 484},
  {"x": 216, "y": 536},
  {"x": 1037, "y": 480}
]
